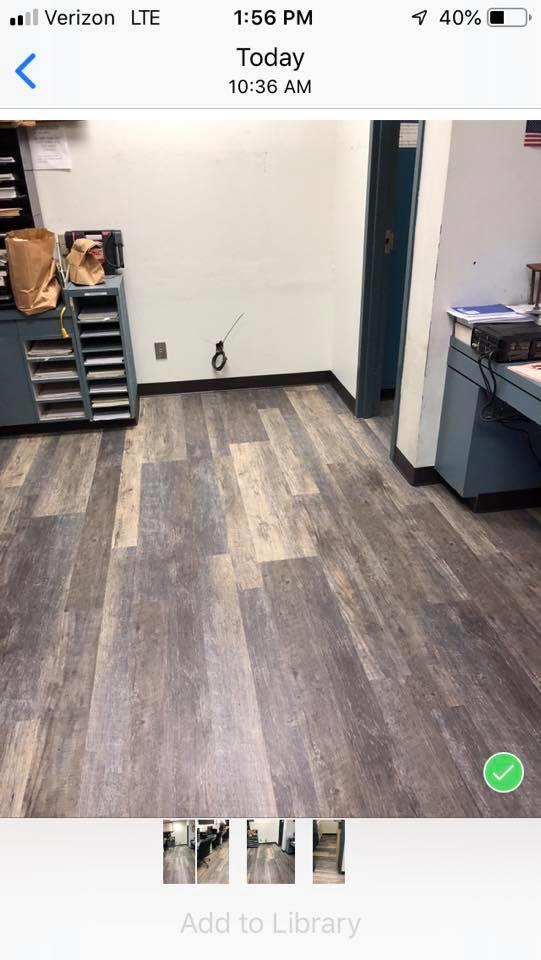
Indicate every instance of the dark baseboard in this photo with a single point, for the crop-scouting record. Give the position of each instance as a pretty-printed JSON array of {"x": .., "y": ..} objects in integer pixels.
[
  {"x": 73, "y": 426},
  {"x": 235, "y": 383},
  {"x": 416, "y": 476},
  {"x": 344, "y": 394},
  {"x": 240, "y": 383},
  {"x": 506, "y": 500}
]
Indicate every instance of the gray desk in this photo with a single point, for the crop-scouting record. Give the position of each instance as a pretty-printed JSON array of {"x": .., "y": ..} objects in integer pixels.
[{"x": 487, "y": 462}]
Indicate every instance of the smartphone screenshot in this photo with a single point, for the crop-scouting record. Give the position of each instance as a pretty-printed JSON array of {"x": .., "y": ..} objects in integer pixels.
[{"x": 270, "y": 479}]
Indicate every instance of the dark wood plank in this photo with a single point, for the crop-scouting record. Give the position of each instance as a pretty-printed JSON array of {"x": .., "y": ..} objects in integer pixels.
[
  {"x": 179, "y": 865},
  {"x": 285, "y": 727},
  {"x": 354, "y": 755},
  {"x": 197, "y": 436},
  {"x": 268, "y": 863},
  {"x": 241, "y": 417}
]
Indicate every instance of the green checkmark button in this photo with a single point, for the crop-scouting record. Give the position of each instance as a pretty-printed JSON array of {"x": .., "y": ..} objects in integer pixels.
[{"x": 503, "y": 772}]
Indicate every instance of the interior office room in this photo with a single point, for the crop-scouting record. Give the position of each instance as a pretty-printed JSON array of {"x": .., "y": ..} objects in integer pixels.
[
  {"x": 270, "y": 850},
  {"x": 212, "y": 851},
  {"x": 269, "y": 541},
  {"x": 329, "y": 851},
  {"x": 179, "y": 851}
]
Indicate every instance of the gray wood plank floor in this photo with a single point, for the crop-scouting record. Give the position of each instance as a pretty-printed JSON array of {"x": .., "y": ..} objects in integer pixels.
[
  {"x": 241, "y": 605},
  {"x": 268, "y": 863},
  {"x": 216, "y": 869},
  {"x": 179, "y": 865},
  {"x": 325, "y": 864}
]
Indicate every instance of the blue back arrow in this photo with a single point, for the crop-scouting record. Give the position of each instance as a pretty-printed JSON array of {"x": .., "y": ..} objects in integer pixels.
[{"x": 22, "y": 67}]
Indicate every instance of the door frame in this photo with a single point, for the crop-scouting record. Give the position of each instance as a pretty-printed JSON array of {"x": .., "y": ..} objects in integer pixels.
[{"x": 383, "y": 150}]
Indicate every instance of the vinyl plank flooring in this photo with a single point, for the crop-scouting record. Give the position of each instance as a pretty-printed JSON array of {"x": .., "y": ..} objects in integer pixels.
[
  {"x": 240, "y": 544},
  {"x": 268, "y": 863},
  {"x": 277, "y": 521},
  {"x": 179, "y": 865},
  {"x": 126, "y": 526},
  {"x": 68, "y": 483},
  {"x": 197, "y": 436},
  {"x": 216, "y": 869},
  {"x": 162, "y": 424},
  {"x": 240, "y": 604},
  {"x": 105, "y": 768},
  {"x": 285, "y": 728},
  {"x": 334, "y": 688},
  {"x": 241, "y": 417},
  {"x": 214, "y": 420},
  {"x": 18, "y": 745},
  {"x": 239, "y": 771},
  {"x": 19, "y": 458},
  {"x": 294, "y": 470},
  {"x": 168, "y": 649},
  {"x": 325, "y": 861}
]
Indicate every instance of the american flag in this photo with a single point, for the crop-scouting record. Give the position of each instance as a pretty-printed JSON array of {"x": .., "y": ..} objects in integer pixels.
[{"x": 532, "y": 137}]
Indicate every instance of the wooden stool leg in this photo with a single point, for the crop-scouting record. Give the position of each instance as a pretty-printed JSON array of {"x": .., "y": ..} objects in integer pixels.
[
  {"x": 532, "y": 287},
  {"x": 538, "y": 298}
]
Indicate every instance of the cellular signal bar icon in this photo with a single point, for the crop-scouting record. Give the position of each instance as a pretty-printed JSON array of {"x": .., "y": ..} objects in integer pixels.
[{"x": 28, "y": 19}]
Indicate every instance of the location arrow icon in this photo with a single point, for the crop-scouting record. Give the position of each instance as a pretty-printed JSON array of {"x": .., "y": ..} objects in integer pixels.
[{"x": 420, "y": 16}]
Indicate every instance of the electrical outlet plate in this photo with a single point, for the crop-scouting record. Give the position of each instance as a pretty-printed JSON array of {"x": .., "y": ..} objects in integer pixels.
[{"x": 160, "y": 349}]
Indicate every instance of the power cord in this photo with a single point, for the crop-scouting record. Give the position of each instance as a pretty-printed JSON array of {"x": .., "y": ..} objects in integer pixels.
[
  {"x": 219, "y": 359},
  {"x": 488, "y": 412}
]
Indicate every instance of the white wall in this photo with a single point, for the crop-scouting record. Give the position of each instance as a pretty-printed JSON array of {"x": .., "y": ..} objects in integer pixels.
[
  {"x": 180, "y": 829},
  {"x": 432, "y": 186},
  {"x": 223, "y": 216},
  {"x": 352, "y": 158},
  {"x": 327, "y": 826},
  {"x": 267, "y": 830},
  {"x": 490, "y": 228},
  {"x": 289, "y": 830}
]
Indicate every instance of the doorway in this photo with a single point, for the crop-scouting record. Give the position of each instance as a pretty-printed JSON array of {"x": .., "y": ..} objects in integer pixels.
[{"x": 393, "y": 187}]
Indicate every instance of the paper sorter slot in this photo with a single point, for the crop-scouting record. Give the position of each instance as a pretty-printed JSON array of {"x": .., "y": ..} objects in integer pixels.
[
  {"x": 109, "y": 386},
  {"x": 102, "y": 347},
  {"x": 57, "y": 392},
  {"x": 106, "y": 373},
  {"x": 91, "y": 333},
  {"x": 59, "y": 370},
  {"x": 109, "y": 400},
  {"x": 112, "y": 415},
  {"x": 49, "y": 349},
  {"x": 61, "y": 411}
]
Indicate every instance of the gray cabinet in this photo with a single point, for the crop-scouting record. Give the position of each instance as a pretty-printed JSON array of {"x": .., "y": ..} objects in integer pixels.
[
  {"x": 87, "y": 376},
  {"x": 16, "y": 398}
]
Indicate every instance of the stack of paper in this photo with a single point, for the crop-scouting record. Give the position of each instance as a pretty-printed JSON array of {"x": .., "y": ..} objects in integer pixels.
[{"x": 491, "y": 313}]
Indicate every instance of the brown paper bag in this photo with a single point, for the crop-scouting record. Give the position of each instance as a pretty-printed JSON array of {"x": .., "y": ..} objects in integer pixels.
[
  {"x": 84, "y": 267},
  {"x": 32, "y": 270}
]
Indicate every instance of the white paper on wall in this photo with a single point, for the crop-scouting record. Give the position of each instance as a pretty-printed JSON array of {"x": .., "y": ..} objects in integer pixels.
[{"x": 49, "y": 147}]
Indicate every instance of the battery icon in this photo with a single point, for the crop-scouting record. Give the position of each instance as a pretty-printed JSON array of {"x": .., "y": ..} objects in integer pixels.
[{"x": 508, "y": 17}]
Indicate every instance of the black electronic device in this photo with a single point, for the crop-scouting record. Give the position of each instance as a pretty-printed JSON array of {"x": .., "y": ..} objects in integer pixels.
[
  {"x": 508, "y": 342},
  {"x": 111, "y": 250}
]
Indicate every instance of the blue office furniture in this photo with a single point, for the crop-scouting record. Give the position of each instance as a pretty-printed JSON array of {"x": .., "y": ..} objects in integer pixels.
[{"x": 481, "y": 459}]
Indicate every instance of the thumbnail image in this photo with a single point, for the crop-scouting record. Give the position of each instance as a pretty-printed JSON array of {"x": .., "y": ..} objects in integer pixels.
[
  {"x": 212, "y": 844},
  {"x": 270, "y": 851},
  {"x": 179, "y": 851},
  {"x": 329, "y": 863}
]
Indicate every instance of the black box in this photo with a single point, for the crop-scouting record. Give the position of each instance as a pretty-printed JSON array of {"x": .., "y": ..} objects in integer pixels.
[{"x": 508, "y": 342}]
